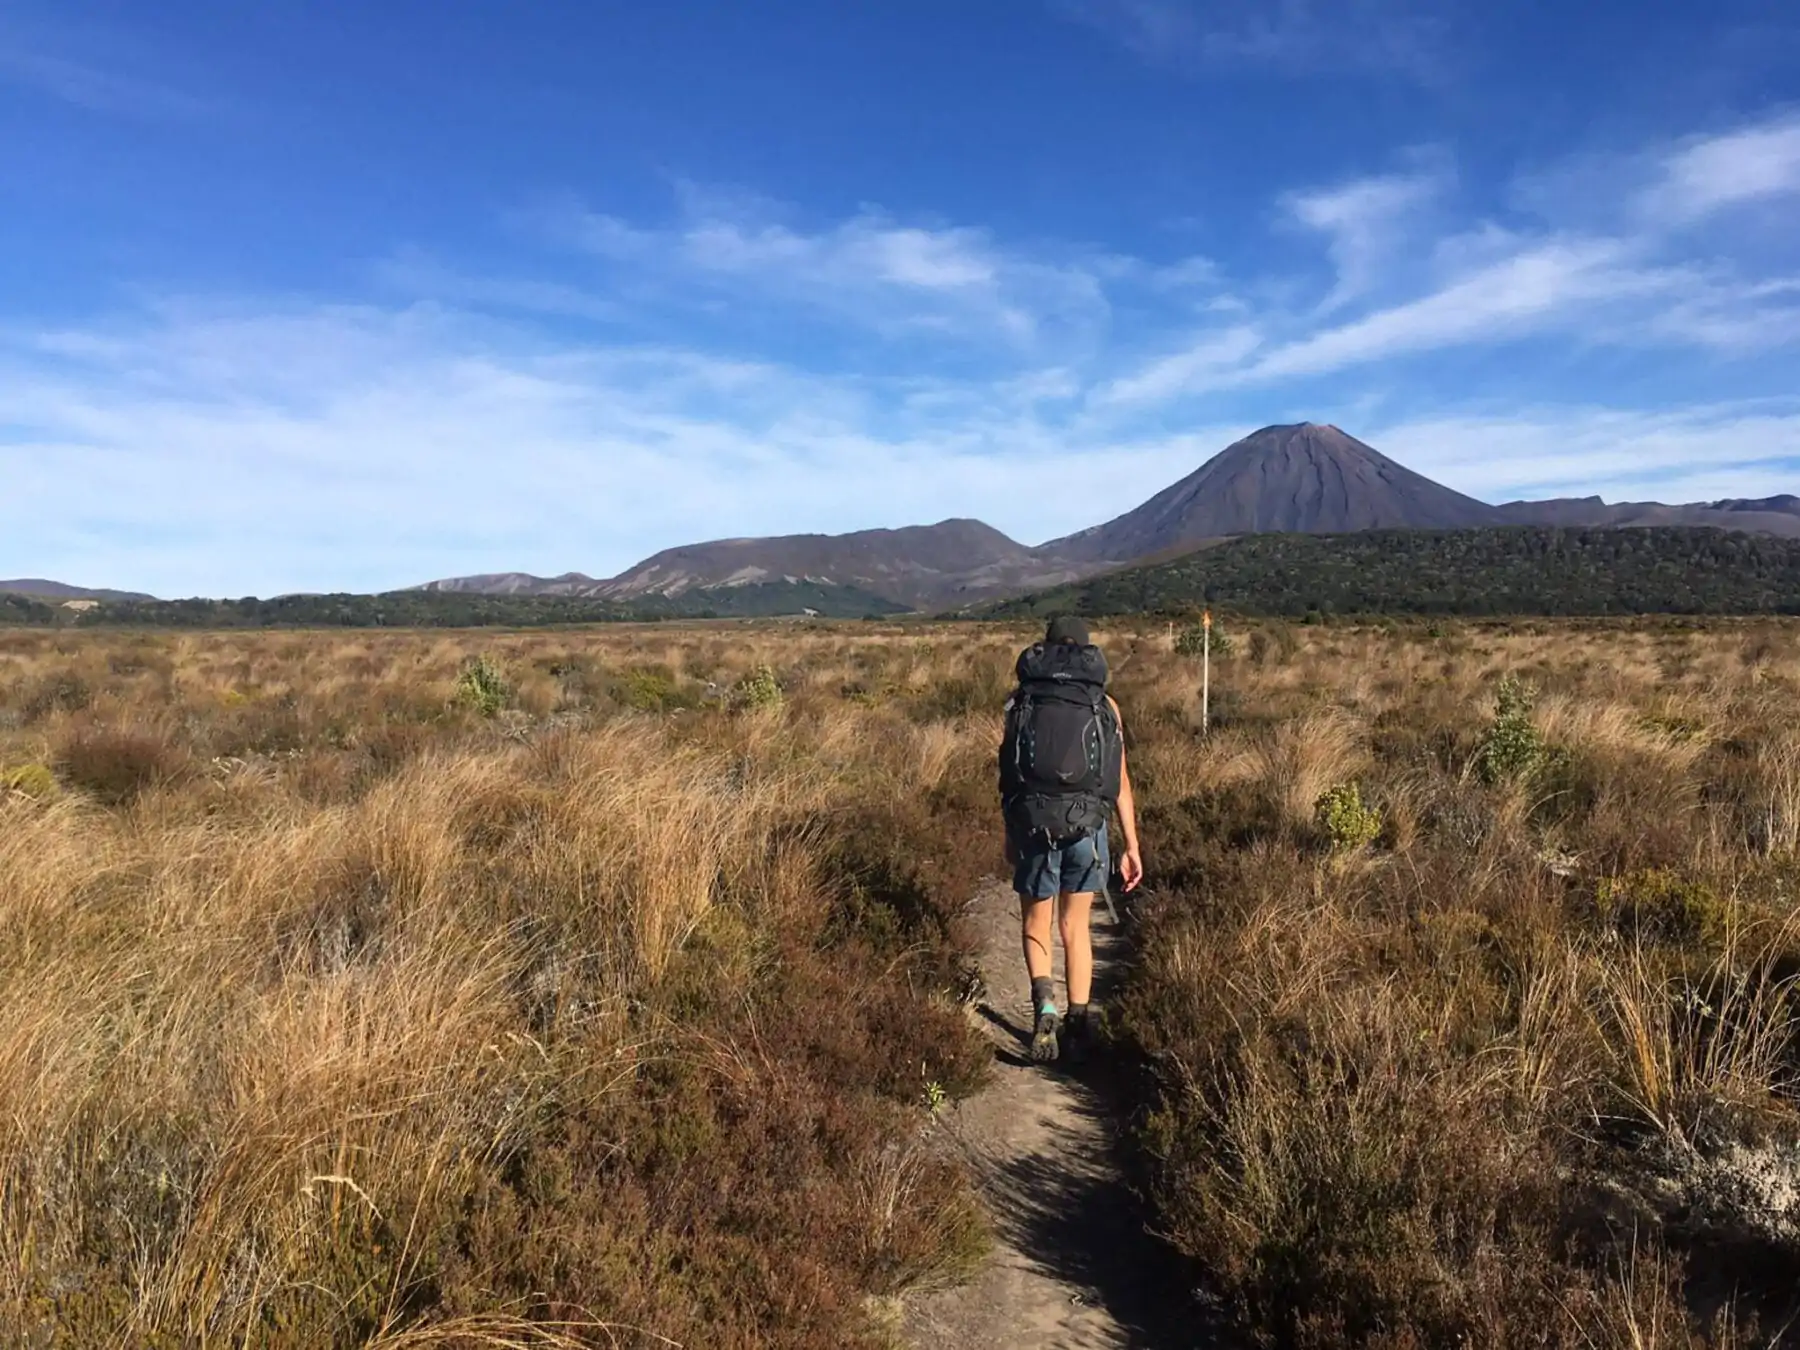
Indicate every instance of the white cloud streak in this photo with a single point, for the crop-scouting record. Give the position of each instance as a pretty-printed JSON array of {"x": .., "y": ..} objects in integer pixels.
[
  {"x": 885, "y": 275},
  {"x": 1715, "y": 173},
  {"x": 1746, "y": 449},
  {"x": 82, "y": 84},
  {"x": 1382, "y": 37},
  {"x": 1648, "y": 281},
  {"x": 1367, "y": 220}
]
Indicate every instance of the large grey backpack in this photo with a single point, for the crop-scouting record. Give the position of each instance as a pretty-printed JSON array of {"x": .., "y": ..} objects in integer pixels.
[{"x": 1060, "y": 757}]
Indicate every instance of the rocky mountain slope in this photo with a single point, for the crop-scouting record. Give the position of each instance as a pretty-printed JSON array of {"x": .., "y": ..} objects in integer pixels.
[
  {"x": 1303, "y": 479},
  {"x": 919, "y": 566}
]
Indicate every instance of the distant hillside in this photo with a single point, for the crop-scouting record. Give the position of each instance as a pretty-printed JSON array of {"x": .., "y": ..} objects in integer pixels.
[
  {"x": 426, "y": 609},
  {"x": 916, "y": 566},
  {"x": 16, "y": 609},
  {"x": 516, "y": 583},
  {"x": 1303, "y": 478},
  {"x": 1766, "y": 515},
  {"x": 1509, "y": 570},
  {"x": 57, "y": 590}
]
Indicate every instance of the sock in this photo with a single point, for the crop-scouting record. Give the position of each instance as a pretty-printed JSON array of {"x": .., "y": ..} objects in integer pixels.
[
  {"x": 1078, "y": 1012},
  {"x": 1043, "y": 994}
]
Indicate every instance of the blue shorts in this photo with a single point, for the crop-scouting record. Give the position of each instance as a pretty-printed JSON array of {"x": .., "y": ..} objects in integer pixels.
[{"x": 1071, "y": 867}]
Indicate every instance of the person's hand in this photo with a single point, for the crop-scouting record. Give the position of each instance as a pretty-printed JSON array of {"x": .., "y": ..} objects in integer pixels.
[{"x": 1131, "y": 868}]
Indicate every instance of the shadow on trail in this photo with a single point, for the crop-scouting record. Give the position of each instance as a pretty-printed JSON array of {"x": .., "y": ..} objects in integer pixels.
[
  {"x": 1017, "y": 1059},
  {"x": 1066, "y": 1205}
]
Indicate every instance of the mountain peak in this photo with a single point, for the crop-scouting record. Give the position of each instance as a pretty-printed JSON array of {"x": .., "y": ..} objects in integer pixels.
[{"x": 1302, "y": 477}]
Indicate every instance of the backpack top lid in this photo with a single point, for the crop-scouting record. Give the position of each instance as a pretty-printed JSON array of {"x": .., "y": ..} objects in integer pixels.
[{"x": 1062, "y": 663}]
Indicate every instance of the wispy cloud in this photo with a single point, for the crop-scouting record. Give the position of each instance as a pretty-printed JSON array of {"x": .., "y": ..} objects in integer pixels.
[
  {"x": 1714, "y": 173},
  {"x": 1301, "y": 36},
  {"x": 1743, "y": 449},
  {"x": 872, "y": 270},
  {"x": 1411, "y": 280},
  {"x": 1209, "y": 359},
  {"x": 1368, "y": 221},
  {"x": 366, "y": 447},
  {"x": 413, "y": 271},
  {"x": 84, "y": 84},
  {"x": 1520, "y": 294}
]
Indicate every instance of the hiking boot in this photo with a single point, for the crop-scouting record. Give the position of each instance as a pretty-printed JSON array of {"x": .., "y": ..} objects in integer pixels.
[
  {"x": 1043, "y": 1036},
  {"x": 1084, "y": 1035},
  {"x": 1077, "y": 1038}
]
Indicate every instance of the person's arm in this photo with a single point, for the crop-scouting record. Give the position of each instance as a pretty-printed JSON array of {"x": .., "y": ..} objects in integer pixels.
[{"x": 1131, "y": 862}]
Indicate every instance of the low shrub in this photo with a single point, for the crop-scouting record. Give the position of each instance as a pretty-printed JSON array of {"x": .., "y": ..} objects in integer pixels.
[
  {"x": 1660, "y": 905},
  {"x": 757, "y": 690},
  {"x": 1347, "y": 824},
  {"x": 1192, "y": 641},
  {"x": 1513, "y": 747},
  {"x": 651, "y": 689},
  {"x": 483, "y": 687},
  {"x": 30, "y": 780}
]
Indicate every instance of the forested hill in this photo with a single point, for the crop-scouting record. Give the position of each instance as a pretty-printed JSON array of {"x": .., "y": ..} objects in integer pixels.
[
  {"x": 452, "y": 609},
  {"x": 1506, "y": 570},
  {"x": 24, "y": 609}
]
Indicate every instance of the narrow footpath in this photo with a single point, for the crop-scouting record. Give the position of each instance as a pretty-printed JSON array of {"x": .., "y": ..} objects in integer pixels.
[{"x": 1073, "y": 1267}]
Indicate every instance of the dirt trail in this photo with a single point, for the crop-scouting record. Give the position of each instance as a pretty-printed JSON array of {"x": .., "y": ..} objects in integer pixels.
[{"x": 1073, "y": 1266}]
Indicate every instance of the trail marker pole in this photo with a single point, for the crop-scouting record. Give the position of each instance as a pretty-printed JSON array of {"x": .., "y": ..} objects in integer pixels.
[{"x": 1206, "y": 670}]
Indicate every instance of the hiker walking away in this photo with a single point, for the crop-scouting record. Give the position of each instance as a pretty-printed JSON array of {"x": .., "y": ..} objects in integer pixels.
[{"x": 1062, "y": 770}]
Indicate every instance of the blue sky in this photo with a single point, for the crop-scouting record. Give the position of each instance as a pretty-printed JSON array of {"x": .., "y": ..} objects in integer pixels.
[{"x": 305, "y": 296}]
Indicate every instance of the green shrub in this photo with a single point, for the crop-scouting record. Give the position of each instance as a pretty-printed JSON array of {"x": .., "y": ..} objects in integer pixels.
[
  {"x": 1659, "y": 905},
  {"x": 1345, "y": 821},
  {"x": 1513, "y": 747},
  {"x": 483, "y": 687},
  {"x": 1191, "y": 641},
  {"x": 32, "y": 780},
  {"x": 758, "y": 689},
  {"x": 646, "y": 690}
]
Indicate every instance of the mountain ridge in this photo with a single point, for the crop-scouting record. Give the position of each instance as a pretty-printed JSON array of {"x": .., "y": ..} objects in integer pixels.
[
  {"x": 1302, "y": 478},
  {"x": 916, "y": 565},
  {"x": 39, "y": 588}
]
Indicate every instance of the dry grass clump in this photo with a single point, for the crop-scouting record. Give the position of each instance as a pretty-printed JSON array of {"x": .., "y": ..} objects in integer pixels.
[
  {"x": 1525, "y": 1074},
  {"x": 342, "y": 1007}
]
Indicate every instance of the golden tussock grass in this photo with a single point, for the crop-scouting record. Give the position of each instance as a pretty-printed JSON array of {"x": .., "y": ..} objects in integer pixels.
[
  {"x": 1521, "y": 1072},
  {"x": 342, "y": 1002},
  {"x": 333, "y": 1007}
]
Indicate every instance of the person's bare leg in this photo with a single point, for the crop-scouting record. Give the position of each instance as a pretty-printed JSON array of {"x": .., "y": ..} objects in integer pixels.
[
  {"x": 1034, "y": 922},
  {"x": 1078, "y": 945}
]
